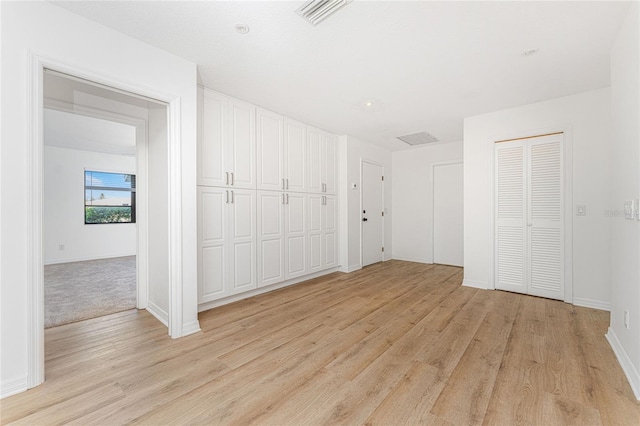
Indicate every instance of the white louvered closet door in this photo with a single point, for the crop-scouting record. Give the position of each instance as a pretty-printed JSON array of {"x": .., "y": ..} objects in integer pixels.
[{"x": 529, "y": 211}]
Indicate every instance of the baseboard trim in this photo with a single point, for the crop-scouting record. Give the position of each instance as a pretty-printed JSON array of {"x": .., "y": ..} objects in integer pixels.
[
  {"x": 160, "y": 314},
  {"x": 416, "y": 260},
  {"x": 84, "y": 259},
  {"x": 261, "y": 290},
  {"x": 190, "y": 328},
  {"x": 590, "y": 303},
  {"x": 474, "y": 284},
  {"x": 12, "y": 387},
  {"x": 353, "y": 268},
  {"x": 633, "y": 377}
]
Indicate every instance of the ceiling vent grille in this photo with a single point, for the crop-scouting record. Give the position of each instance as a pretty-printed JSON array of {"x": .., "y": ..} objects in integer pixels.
[
  {"x": 418, "y": 138},
  {"x": 315, "y": 11}
]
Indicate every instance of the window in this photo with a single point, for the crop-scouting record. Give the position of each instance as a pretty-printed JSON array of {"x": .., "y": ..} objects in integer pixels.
[{"x": 109, "y": 197}]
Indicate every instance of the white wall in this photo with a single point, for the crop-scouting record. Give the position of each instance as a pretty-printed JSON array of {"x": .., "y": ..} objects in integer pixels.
[
  {"x": 588, "y": 116},
  {"x": 625, "y": 242},
  {"x": 64, "y": 208},
  {"x": 352, "y": 151},
  {"x": 413, "y": 199},
  {"x": 43, "y": 29}
]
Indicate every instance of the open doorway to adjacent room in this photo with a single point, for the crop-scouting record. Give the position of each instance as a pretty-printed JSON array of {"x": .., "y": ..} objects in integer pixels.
[{"x": 104, "y": 152}]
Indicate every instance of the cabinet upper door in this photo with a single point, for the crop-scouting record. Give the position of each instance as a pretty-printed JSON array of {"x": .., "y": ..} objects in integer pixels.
[
  {"x": 314, "y": 163},
  {"x": 270, "y": 146},
  {"x": 329, "y": 151},
  {"x": 295, "y": 156},
  {"x": 211, "y": 138},
  {"x": 241, "y": 162}
]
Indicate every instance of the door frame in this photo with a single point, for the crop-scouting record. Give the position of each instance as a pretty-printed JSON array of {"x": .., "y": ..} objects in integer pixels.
[
  {"x": 35, "y": 189},
  {"x": 374, "y": 163},
  {"x": 567, "y": 175},
  {"x": 433, "y": 204},
  {"x": 142, "y": 206}
]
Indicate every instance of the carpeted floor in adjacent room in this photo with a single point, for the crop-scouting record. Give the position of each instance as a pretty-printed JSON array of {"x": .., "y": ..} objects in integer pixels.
[{"x": 77, "y": 291}]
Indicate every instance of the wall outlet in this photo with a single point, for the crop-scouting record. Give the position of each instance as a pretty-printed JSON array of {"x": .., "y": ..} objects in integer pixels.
[
  {"x": 61, "y": 247},
  {"x": 626, "y": 319}
]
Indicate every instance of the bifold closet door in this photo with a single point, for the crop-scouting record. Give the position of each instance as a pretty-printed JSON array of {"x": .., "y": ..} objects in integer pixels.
[{"x": 529, "y": 210}]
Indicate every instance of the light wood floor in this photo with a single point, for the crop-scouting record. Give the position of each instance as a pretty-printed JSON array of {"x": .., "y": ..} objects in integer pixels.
[{"x": 396, "y": 343}]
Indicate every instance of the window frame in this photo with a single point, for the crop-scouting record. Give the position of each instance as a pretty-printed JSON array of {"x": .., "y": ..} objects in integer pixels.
[{"x": 132, "y": 191}]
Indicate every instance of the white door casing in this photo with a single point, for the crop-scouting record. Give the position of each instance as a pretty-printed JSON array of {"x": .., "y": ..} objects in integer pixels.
[
  {"x": 448, "y": 214},
  {"x": 372, "y": 223}
]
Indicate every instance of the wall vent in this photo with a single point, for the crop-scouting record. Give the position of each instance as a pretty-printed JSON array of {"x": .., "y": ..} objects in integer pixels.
[
  {"x": 315, "y": 11},
  {"x": 418, "y": 138}
]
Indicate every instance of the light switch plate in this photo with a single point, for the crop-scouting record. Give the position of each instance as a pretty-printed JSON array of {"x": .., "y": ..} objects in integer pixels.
[
  {"x": 629, "y": 209},
  {"x": 581, "y": 210}
]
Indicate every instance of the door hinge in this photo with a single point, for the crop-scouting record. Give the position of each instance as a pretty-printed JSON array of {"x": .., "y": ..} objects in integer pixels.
[{"x": 382, "y": 248}]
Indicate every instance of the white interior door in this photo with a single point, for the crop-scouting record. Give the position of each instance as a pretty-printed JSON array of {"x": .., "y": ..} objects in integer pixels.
[
  {"x": 448, "y": 214},
  {"x": 372, "y": 213},
  {"x": 529, "y": 230}
]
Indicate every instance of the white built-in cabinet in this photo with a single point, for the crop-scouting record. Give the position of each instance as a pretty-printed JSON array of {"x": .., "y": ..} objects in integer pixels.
[
  {"x": 227, "y": 239},
  {"x": 227, "y": 148},
  {"x": 282, "y": 153},
  {"x": 322, "y": 235},
  {"x": 322, "y": 161},
  {"x": 266, "y": 198}
]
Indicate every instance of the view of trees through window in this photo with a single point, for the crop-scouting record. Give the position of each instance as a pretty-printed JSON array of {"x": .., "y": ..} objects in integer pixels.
[{"x": 109, "y": 197}]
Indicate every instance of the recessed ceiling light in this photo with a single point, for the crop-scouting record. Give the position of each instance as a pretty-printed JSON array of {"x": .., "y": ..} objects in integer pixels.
[
  {"x": 369, "y": 104},
  {"x": 242, "y": 28},
  {"x": 530, "y": 52}
]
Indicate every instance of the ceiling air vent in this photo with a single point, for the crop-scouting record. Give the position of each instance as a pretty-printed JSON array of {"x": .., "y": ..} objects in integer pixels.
[
  {"x": 418, "y": 138},
  {"x": 315, "y": 11}
]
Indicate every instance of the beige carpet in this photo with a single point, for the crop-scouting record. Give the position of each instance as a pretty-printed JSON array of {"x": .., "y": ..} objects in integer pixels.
[{"x": 77, "y": 291}]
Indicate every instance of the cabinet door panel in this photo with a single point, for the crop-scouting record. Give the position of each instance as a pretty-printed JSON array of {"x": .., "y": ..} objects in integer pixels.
[
  {"x": 212, "y": 273},
  {"x": 244, "y": 273},
  {"x": 330, "y": 250},
  {"x": 329, "y": 162},
  {"x": 270, "y": 155},
  {"x": 295, "y": 235},
  {"x": 242, "y": 144},
  {"x": 314, "y": 165},
  {"x": 315, "y": 213},
  {"x": 212, "y": 217},
  {"x": 295, "y": 151},
  {"x": 270, "y": 250},
  {"x": 212, "y": 135},
  {"x": 242, "y": 226}
]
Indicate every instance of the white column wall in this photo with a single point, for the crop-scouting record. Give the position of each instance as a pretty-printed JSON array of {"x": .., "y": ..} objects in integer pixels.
[
  {"x": 45, "y": 30},
  {"x": 625, "y": 238}
]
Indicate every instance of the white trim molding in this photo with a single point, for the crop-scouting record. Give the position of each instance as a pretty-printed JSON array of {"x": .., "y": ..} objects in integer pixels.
[
  {"x": 475, "y": 284},
  {"x": 590, "y": 303},
  {"x": 12, "y": 387},
  {"x": 159, "y": 313},
  {"x": 625, "y": 362}
]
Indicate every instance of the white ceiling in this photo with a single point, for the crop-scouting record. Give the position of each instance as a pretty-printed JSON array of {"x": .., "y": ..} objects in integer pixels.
[
  {"x": 74, "y": 131},
  {"x": 425, "y": 64}
]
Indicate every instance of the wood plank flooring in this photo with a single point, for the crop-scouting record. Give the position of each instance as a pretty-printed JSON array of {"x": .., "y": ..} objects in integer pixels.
[{"x": 395, "y": 343}]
